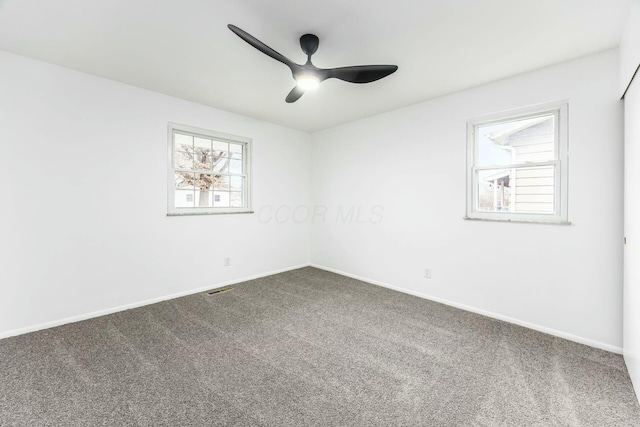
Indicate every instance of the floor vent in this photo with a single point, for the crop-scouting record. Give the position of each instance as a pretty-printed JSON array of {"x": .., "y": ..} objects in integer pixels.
[{"x": 219, "y": 291}]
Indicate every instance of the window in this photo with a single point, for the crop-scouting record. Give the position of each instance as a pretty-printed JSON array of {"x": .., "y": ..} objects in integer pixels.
[
  {"x": 517, "y": 165},
  {"x": 208, "y": 172}
]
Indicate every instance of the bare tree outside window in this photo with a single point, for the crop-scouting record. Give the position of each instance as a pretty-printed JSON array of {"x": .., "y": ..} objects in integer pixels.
[{"x": 202, "y": 158}]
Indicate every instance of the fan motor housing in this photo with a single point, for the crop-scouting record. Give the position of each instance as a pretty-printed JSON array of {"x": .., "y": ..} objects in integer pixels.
[{"x": 309, "y": 43}]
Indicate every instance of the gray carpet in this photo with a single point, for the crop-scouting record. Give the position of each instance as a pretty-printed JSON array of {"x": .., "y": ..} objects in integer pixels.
[{"x": 307, "y": 348}]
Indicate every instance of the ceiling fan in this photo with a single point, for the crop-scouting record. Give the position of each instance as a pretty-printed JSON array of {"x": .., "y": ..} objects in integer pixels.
[{"x": 308, "y": 76}]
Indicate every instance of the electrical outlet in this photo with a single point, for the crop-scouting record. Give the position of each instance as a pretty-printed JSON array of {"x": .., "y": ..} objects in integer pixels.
[
  {"x": 227, "y": 262},
  {"x": 427, "y": 273}
]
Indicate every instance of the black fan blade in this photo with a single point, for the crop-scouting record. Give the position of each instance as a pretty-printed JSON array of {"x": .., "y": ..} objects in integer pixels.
[
  {"x": 361, "y": 73},
  {"x": 295, "y": 94},
  {"x": 261, "y": 46}
]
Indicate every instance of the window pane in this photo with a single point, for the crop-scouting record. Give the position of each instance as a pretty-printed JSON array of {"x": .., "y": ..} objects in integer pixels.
[
  {"x": 184, "y": 198},
  {"x": 220, "y": 163},
  {"x": 203, "y": 143},
  {"x": 494, "y": 190},
  {"x": 534, "y": 189},
  {"x": 203, "y": 181},
  {"x": 517, "y": 141},
  {"x": 202, "y": 159},
  {"x": 236, "y": 183},
  {"x": 183, "y": 160},
  {"x": 202, "y": 153},
  {"x": 184, "y": 180},
  {"x": 183, "y": 142},
  {"x": 235, "y": 151},
  {"x": 236, "y": 200},
  {"x": 221, "y": 199},
  {"x": 520, "y": 190},
  {"x": 235, "y": 166},
  {"x": 221, "y": 147},
  {"x": 203, "y": 198},
  {"x": 221, "y": 182}
]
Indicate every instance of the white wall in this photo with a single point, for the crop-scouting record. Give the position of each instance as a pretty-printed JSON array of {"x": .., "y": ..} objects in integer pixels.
[
  {"x": 566, "y": 280},
  {"x": 629, "y": 62},
  {"x": 632, "y": 232},
  {"x": 83, "y": 167}
]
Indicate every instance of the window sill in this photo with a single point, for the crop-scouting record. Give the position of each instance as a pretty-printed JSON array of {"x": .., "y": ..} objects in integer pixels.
[
  {"x": 520, "y": 221},
  {"x": 209, "y": 213}
]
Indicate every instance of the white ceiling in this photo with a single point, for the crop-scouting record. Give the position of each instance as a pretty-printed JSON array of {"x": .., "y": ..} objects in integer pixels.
[{"x": 183, "y": 47}]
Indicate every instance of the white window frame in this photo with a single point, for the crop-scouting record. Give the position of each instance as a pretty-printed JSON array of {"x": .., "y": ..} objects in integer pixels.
[
  {"x": 171, "y": 183},
  {"x": 560, "y": 110}
]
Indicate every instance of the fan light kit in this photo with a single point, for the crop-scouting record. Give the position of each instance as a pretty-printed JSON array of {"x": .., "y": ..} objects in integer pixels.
[
  {"x": 308, "y": 82},
  {"x": 308, "y": 76}
]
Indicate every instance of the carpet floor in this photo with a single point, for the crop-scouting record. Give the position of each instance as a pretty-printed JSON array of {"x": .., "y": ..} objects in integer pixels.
[{"x": 307, "y": 348}]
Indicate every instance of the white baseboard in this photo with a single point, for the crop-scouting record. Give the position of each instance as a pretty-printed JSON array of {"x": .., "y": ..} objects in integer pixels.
[
  {"x": 544, "y": 329},
  {"x": 112, "y": 310},
  {"x": 104, "y": 312}
]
